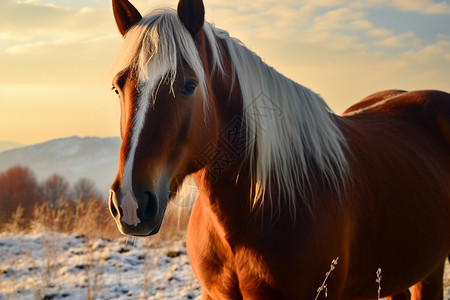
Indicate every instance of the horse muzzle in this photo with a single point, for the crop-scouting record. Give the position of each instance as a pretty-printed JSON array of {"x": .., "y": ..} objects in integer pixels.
[{"x": 139, "y": 215}]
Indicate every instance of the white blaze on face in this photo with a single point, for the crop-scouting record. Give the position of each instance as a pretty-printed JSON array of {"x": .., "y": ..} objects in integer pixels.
[
  {"x": 146, "y": 89},
  {"x": 129, "y": 208},
  {"x": 129, "y": 205}
]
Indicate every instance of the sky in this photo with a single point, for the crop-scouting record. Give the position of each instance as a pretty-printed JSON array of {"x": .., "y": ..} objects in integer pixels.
[{"x": 56, "y": 55}]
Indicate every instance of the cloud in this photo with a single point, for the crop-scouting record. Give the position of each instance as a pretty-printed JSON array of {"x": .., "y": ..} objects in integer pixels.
[
  {"x": 429, "y": 7},
  {"x": 29, "y": 18},
  {"x": 39, "y": 41},
  {"x": 421, "y": 6},
  {"x": 380, "y": 32},
  {"x": 24, "y": 48},
  {"x": 361, "y": 24},
  {"x": 286, "y": 16},
  {"x": 337, "y": 19},
  {"x": 333, "y": 26},
  {"x": 404, "y": 40},
  {"x": 336, "y": 47},
  {"x": 440, "y": 50},
  {"x": 74, "y": 61}
]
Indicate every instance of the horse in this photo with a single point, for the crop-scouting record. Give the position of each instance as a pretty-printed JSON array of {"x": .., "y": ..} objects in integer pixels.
[{"x": 293, "y": 201}]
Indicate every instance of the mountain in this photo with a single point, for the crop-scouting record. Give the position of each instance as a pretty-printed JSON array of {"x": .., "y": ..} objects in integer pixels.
[
  {"x": 6, "y": 145},
  {"x": 73, "y": 158}
]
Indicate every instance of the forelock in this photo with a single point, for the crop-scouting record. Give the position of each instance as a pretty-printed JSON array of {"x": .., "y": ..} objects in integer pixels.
[{"x": 157, "y": 46}]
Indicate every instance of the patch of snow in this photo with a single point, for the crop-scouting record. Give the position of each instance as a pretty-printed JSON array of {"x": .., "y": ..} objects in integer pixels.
[{"x": 58, "y": 266}]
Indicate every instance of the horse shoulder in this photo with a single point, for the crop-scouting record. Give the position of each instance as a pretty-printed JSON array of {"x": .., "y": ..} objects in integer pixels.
[{"x": 210, "y": 254}]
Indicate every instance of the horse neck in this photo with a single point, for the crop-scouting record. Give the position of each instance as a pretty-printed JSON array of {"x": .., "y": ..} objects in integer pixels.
[
  {"x": 314, "y": 138},
  {"x": 227, "y": 188},
  {"x": 228, "y": 177}
]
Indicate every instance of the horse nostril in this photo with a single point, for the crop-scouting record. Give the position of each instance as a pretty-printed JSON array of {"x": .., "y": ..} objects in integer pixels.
[
  {"x": 112, "y": 204},
  {"x": 150, "y": 207}
]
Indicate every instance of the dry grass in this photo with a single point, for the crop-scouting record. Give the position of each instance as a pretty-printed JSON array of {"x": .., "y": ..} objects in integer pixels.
[
  {"x": 93, "y": 269},
  {"x": 89, "y": 218},
  {"x": 333, "y": 265},
  {"x": 378, "y": 280}
]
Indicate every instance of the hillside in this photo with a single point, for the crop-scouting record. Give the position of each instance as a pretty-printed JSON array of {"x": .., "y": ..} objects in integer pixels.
[
  {"x": 73, "y": 158},
  {"x": 6, "y": 145}
]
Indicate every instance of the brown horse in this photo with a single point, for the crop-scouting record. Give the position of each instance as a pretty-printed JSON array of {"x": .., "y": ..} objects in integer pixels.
[{"x": 284, "y": 185}]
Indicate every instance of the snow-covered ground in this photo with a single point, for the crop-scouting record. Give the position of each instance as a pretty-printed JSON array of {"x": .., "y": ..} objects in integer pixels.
[{"x": 58, "y": 266}]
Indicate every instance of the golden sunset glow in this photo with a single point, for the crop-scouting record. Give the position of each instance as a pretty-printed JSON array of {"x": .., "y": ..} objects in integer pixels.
[{"x": 56, "y": 55}]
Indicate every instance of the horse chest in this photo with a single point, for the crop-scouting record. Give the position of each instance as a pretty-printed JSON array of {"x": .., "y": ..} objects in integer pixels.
[
  {"x": 226, "y": 275},
  {"x": 222, "y": 272}
]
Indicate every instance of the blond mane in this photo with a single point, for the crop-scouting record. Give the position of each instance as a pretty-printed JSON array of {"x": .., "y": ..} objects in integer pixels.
[{"x": 290, "y": 129}]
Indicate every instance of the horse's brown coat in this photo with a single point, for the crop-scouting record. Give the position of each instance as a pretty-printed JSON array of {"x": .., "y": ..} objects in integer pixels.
[{"x": 393, "y": 212}]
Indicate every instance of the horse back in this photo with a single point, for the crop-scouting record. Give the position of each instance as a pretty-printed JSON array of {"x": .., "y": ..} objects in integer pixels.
[
  {"x": 399, "y": 149},
  {"x": 432, "y": 108},
  {"x": 406, "y": 133},
  {"x": 372, "y": 100}
]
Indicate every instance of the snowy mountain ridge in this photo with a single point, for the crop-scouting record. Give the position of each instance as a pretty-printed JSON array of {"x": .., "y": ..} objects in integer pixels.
[
  {"x": 7, "y": 145},
  {"x": 73, "y": 158}
]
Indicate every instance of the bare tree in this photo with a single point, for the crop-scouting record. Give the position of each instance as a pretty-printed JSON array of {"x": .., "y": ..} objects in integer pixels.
[
  {"x": 84, "y": 189},
  {"x": 54, "y": 189}
]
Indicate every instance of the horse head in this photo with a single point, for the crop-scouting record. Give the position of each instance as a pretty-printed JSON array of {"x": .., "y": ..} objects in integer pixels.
[{"x": 164, "y": 96}]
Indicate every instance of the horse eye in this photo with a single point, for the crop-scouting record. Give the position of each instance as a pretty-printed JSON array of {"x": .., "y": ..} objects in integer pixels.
[{"x": 189, "y": 88}]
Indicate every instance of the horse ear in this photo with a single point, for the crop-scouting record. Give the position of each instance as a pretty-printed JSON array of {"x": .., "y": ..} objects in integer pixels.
[
  {"x": 192, "y": 14},
  {"x": 126, "y": 15}
]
